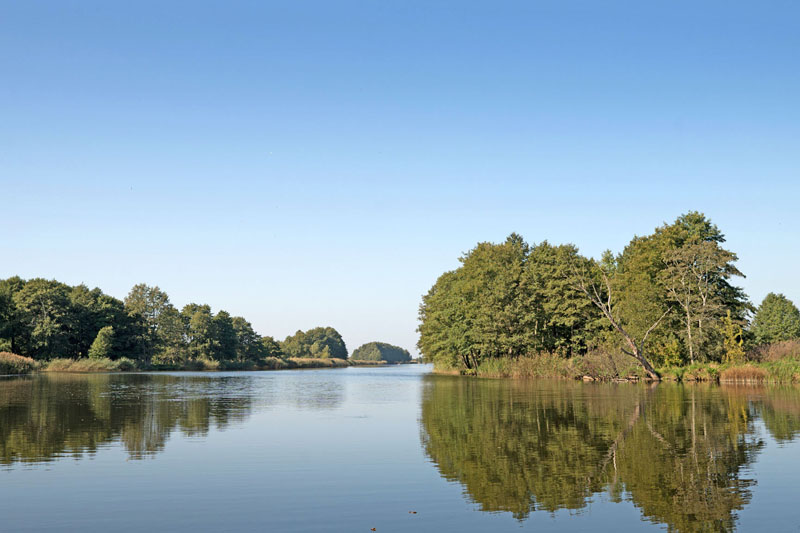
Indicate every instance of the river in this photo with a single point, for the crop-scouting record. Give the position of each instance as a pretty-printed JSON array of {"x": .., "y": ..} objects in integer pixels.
[{"x": 392, "y": 448}]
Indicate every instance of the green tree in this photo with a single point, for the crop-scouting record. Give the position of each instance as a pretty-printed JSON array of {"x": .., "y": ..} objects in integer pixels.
[
  {"x": 271, "y": 348},
  {"x": 733, "y": 340},
  {"x": 147, "y": 305},
  {"x": 323, "y": 342},
  {"x": 200, "y": 331},
  {"x": 777, "y": 319},
  {"x": 381, "y": 351},
  {"x": 103, "y": 343},
  {"x": 11, "y": 326},
  {"x": 44, "y": 312},
  {"x": 248, "y": 343},
  {"x": 225, "y": 337}
]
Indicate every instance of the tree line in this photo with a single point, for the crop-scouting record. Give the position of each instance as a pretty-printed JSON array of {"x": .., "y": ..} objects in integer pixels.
[
  {"x": 46, "y": 319},
  {"x": 668, "y": 299}
]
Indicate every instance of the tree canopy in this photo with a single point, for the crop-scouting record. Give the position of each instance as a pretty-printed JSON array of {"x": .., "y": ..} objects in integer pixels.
[
  {"x": 381, "y": 351},
  {"x": 777, "y": 319},
  {"x": 663, "y": 300},
  {"x": 321, "y": 342}
]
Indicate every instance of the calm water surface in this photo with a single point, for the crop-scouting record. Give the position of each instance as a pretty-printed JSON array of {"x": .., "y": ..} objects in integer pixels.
[{"x": 360, "y": 448}]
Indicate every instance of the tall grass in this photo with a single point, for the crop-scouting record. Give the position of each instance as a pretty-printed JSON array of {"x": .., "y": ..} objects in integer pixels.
[
  {"x": 533, "y": 366},
  {"x": 102, "y": 364},
  {"x": 16, "y": 364},
  {"x": 318, "y": 362}
]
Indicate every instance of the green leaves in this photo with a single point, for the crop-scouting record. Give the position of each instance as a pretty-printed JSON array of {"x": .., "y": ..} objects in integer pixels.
[
  {"x": 777, "y": 319},
  {"x": 381, "y": 351}
]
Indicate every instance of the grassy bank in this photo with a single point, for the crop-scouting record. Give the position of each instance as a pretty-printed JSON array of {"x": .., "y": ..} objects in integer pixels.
[
  {"x": 128, "y": 365},
  {"x": 16, "y": 364},
  {"x": 777, "y": 363}
]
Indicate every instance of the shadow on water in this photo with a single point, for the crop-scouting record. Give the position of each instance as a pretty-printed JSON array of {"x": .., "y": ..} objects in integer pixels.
[
  {"x": 680, "y": 454},
  {"x": 55, "y": 415}
]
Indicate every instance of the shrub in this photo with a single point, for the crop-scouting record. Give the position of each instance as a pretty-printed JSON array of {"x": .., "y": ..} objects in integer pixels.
[
  {"x": 16, "y": 364},
  {"x": 82, "y": 365}
]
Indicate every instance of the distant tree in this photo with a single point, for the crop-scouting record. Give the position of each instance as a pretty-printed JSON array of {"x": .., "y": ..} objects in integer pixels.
[
  {"x": 103, "y": 343},
  {"x": 225, "y": 337},
  {"x": 147, "y": 304},
  {"x": 271, "y": 348},
  {"x": 380, "y": 351},
  {"x": 316, "y": 342},
  {"x": 11, "y": 326},
  {"x": 777, "y": 319},
  {"x": 248, "y": 343},
  {"x": 44, "y": 312},
  {"x": 201, "y": 334}
]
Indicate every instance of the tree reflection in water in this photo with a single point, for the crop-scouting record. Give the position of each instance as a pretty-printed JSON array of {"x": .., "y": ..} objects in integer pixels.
[
  {"x": 54, "y": 415},
  {"x": 677, "y": 452}
]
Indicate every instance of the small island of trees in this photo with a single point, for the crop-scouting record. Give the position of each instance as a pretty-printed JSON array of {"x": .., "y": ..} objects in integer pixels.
[{"x": 381, "y": 351}]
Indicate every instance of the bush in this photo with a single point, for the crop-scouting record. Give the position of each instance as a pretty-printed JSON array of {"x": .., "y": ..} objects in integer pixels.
[
  {"x": 776, "y": 351},
  {"x": 82, "y": 365},
  {"x": 16, "y": 364}
]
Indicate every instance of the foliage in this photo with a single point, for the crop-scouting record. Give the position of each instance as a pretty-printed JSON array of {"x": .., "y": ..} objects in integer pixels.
[
  {"x": 663, "y": 301},
  {"x": 380, "y": 351},
  {"x": 320, "y": 343},
  {"x": 103, "y": 343},
  {"x": 90, "y": 365},
  {"x": 15, "y": 364},
  {"x": 679, "y": 454},
  {"x": 733, "y": 339},
  {"x": 46, "y": 320},
  {"x": 777, "y": 319}
]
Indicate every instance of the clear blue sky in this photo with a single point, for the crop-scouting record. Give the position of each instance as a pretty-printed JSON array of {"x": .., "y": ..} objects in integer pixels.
[{"x": 321, "y": 163}]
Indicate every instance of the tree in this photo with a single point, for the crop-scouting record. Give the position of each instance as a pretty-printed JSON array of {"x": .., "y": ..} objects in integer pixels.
[
  {"x": 271, "y": 348},
  {"x": 733, "y": 341},
  {"x": 224, "y": 336},
  {"x": 103, "y": 343},
  {"x": 316, "y": 342},
  {"x": 777, "y": 319},
  {"x": 248, "y": 343},
  {"x": 380, "y": 351},
  {"x": 11, "y": 326},
  {"x": 147, "y": 304},
  {"x": 692, "y": 277},
  {"x": 602, "y": 295},
  {"x": 44, "y": 313},
  {"x": 200, "y": 331}
]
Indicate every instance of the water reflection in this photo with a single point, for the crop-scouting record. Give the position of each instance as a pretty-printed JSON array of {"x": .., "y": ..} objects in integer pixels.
[
  {"x": 680, "y": 454},
  {"x": 57, "y": 415}
]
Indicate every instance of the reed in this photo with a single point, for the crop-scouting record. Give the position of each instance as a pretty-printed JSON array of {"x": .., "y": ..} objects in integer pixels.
[{"x": 16, "y": 364}]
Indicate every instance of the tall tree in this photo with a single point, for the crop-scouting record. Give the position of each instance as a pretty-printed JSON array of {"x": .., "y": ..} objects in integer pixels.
[
  {"x": 692, "y": 276},
  {"x": 44, "y": 310},
  {"x": 147, "y": 304},
  {"x": 777, "y": 319}
]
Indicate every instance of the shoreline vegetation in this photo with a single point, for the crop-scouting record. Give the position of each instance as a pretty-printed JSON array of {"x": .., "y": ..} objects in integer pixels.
[
  {"x": 776, "y": 364},
  {"x": 49, "y": 326},
  {"x": 11, "y": 364},
  {"x": 665, "y": 308}
]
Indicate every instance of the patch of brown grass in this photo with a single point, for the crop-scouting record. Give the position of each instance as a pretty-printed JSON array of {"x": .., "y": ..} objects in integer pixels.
[
  {"x": 776, "y": 351},
  {"x": 16, "y": 364},
  {"x": 744, "y": 374},
  {"x": 317, "y": 362}
]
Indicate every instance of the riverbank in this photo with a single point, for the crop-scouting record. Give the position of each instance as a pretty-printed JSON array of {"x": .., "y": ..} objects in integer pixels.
[
  {"x": 11, "y": 364},
  {"x": 769, "y": 365}
]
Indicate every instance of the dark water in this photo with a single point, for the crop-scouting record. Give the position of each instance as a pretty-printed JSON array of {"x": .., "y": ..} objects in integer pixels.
[{"x": 359, "y": 448}]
